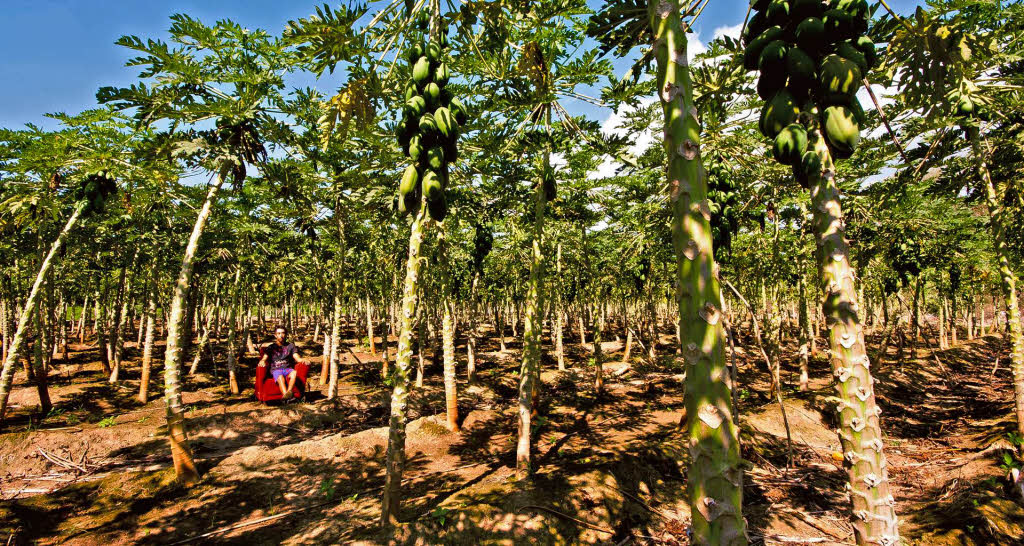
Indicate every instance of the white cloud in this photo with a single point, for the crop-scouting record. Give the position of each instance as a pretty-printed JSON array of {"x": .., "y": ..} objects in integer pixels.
[
  {"x": 730, "y": 30},
  {"x": 883, "y": 94}
]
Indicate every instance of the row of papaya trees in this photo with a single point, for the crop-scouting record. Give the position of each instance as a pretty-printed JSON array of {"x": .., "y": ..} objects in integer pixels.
[{"x": 458, "y": 185}]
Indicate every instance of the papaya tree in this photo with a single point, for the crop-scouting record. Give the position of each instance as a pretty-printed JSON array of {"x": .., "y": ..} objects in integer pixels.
[
  {"x": 223, "y": 73},
  {"x": 951, "y": 64}
]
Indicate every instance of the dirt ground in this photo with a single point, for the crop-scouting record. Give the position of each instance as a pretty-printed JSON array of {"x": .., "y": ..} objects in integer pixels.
[{"x": 610, "y": 469}]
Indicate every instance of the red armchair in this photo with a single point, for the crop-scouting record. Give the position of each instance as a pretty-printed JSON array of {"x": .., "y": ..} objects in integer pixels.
[{"x": 266, "y": 387}]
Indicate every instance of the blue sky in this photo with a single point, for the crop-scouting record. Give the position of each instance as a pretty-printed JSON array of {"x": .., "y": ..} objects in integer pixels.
[{"x": 55, "y": 54}]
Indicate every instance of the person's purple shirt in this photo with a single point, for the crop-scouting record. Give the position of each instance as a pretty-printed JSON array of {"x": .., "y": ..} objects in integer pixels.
[{"x": 281, "y": 356}]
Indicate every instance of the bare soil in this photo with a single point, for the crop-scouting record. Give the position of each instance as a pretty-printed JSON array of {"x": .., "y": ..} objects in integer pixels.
[{"x": 610, "y": 468}]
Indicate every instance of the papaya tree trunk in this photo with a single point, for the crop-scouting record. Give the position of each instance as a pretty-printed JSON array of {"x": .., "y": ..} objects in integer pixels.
[
  {"x": 804, "y": 327},
  {"x": 17, "y": 346},
  {"x": 874, "y": 512},
  {"x": 714, "y": 478},
  {"x": 233, "y": 332},
  {"x": 147, "y": 350},
  {"x": 177, "y": 434},
  {"x": 451, "y": 397},
  {"x": 530, "y": 369},
  {"x": 559, "y": 349},
  {"x": 1007, "y": 280},
  {"x": 395, "y": 460}
]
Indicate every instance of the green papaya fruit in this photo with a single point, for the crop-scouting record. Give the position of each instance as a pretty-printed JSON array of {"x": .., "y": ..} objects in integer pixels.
[
  {"x": 415, "y": 147},
  {"x": 402, "y": 132},
  {"x": 778, "y": 112},
  {"x": 770, "y": 83},
  {"x": 800, "y": 68},
  {"x": 810, "y": 35},
  {"x": 965, "y": 106},
  {"x": 446, "y": 97},
  {"x": 802, "y": 9},
  {"x": 414, "y": 52},
  {"x": 849, "y": 50},
  {"x": 842, "y": 132},
  {"x": 446, "y": 125},
  {"x": 431, "y": 184},
  {"x": 438, "y": 207},
  {"x": 428, "y": 127},
  {"x": 757, "y": 24},
  {"x": 432, "y": 94},
  {"x": 867, "y": 48},
  {"x": 759, "y": 5},
  {"x": 839, "y": 77},
  {"x": 778, "y": 12},
  {"x": 458, "y": 111},
  {"x": 410, "y": 179},
  {"x": 442, "y": 74},
  {"x": 752, "y": 53},
  {"x": 790, "y": 144},
  {"x": 838, "y": 25},
  {"x": 773, "y": 58},
  {"x": 416, "y": 106},
  {"x": 857, "y": 109},
  {"x": 434, "y": 52},
  {"x": 410, "y": 90},
  {"x": 435, "y": 157},
  {"x": 421, "y": 71},
  {"x": 810, "y": 164}
]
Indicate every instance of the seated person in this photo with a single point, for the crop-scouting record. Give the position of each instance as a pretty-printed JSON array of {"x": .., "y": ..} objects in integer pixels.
[{"x": 282, "y": 355}]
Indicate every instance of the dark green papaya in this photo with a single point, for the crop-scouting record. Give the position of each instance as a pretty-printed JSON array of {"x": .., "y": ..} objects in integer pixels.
[
  {"x": 428, "y": 127},
  {"x": 838, "y": 25},
  {"x": 458, "y": 110},
  {"x": 965, "y": 106},
  {"x": 414, "y": 52},
  {"x": 435, "y": 158},
  {"x": 778, "y": 112},
  {"x": 757, "y": 24},
  {"x": 849, "y": 50},
  {"x": 800, "y": 68},
  {"x": 441, "y": 75},
  {"x": 759, "y": 5},
  {"x": 550, "y": 187},
  {"x": 752, "y": 53},
  {"x": 433, "y": 53},
  {"x": 408, "y": 190},
  {"x": 790, "y": 144},
  {"x": 802, "y": 9},
  {"x": 415, "y": 107},
  {"x": 810, "y": 35},
  {"x": 410, "y": 90},
  {"x": 810, "y": 164},
  {"x": 773, "y": 58},
  {"x": 839, "y": 77},
  {"x": 842, "y": 132},
  {"x": 778, "y": 12},
  {"x": 867, "y": 48},
  {"x": 770, "y": 83}
]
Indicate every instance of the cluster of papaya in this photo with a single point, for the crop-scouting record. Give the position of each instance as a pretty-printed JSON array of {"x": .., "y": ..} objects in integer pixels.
[
  {"x": 811, "y": 56},
  {"x": 722, "y": 201},
  {"x": 94, "y": 190},
  {"x": 968, "y": 103},
  {"x": 429, "y": 129}
]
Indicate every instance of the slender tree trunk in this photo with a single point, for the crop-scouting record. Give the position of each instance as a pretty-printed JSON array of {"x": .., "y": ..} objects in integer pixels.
[
  {"x": 451, "y": 397},
  {"x": 233, "y": 333},
  {"x": 804, "y": 327},
  {"x": 17, "y": 346},
  {"x": 395, "y": 461},
  {"x": 101, "y": 331},
  {"x": 530, "y": 370},
  {"x": 873, "y": 514},
  {"x": 81, "y": 323},
  {"x": 714, "y": 477},
  {"x": 147, "y": 351},
  {"x": 559, "y": 348},
  {"x": 1008, "y": 281},
  {"x": 471, "y": 331},
  {"x": 369, "y": 324},
  {"x": 181, "y": 453}
]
